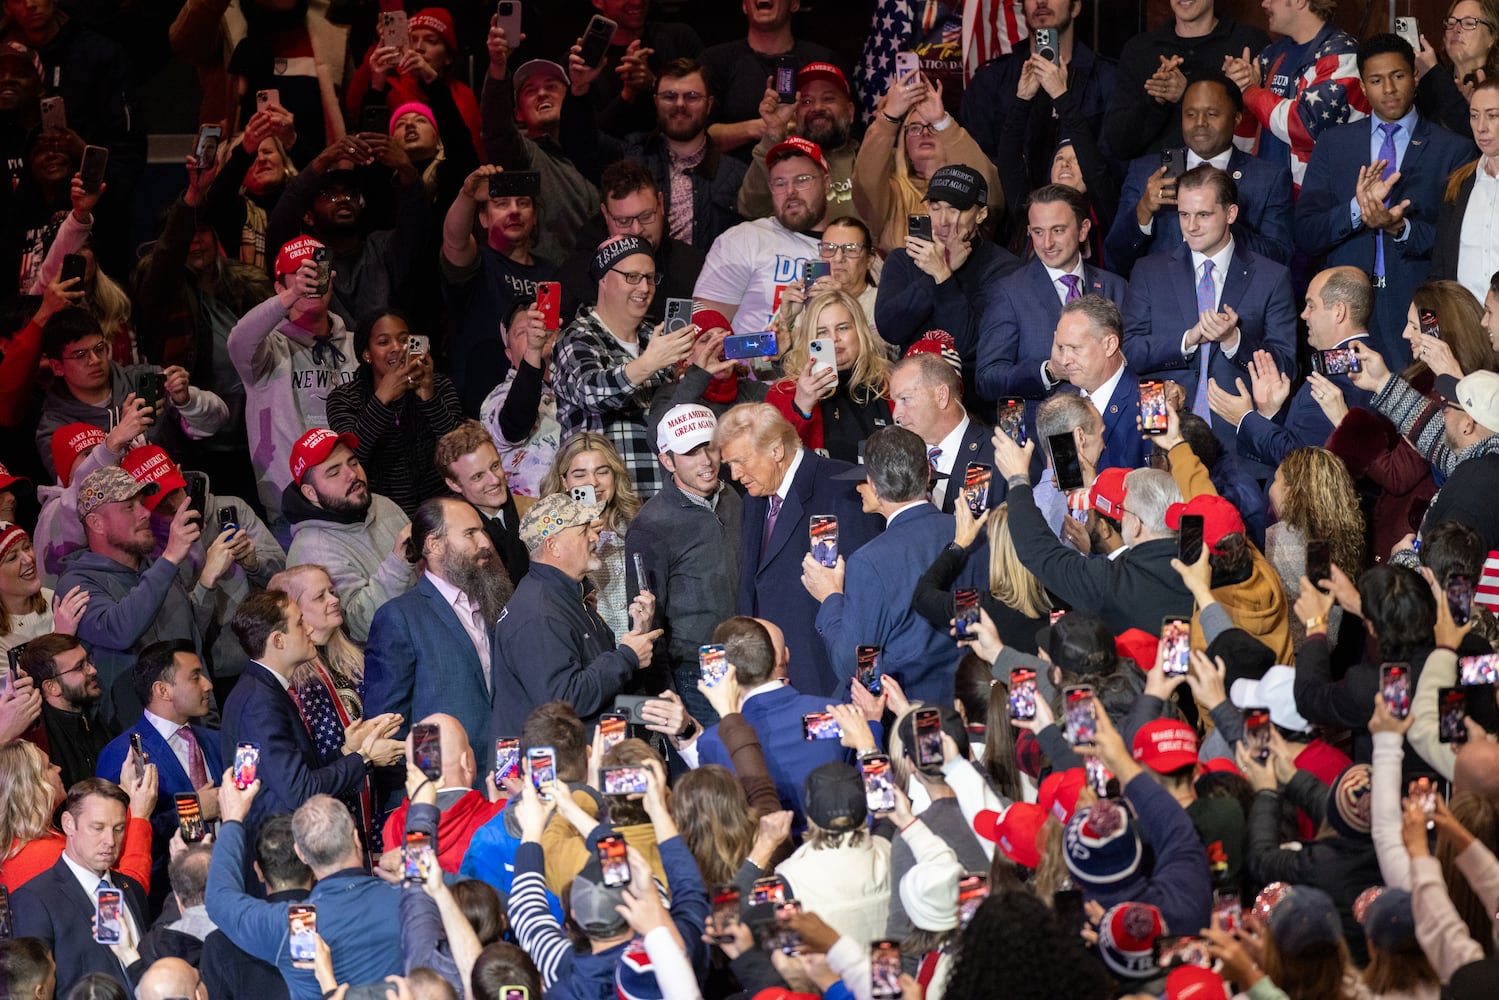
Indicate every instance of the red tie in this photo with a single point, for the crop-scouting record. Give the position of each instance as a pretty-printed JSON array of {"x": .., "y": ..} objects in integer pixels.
[{"x": 197, "y": 771}]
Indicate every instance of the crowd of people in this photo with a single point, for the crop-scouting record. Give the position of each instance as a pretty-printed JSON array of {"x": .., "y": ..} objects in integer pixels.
[{"x": 566, "y": 510}]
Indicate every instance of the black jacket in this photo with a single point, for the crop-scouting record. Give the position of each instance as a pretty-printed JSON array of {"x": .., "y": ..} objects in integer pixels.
[
  {"x": 1446, "y": 247},
  {"x": 233, "y": 974}
]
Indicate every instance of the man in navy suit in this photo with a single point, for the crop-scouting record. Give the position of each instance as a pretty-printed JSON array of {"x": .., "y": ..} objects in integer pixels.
[
  {"x": 1086, "y": 353},
  {"x": 1338, "y": 304},
  {"x": 1146, "y": 222},
  {"x": 169, "y": 680},
  {"x": 429, "y": 650},
  {"x": 1014, "y": 351},
  {"x": 1373, "y": 190},
  {"x": 786, "y": 484},
  {"x": 926, "y": 397},
  {"x": 57, "y": 906},
  {"x": 866, "y": 597},
  {"x": 1198, "y": 313},
  {"x": 261, "y": 710}
]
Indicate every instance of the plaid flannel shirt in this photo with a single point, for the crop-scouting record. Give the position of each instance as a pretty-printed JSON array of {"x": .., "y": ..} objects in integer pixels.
[{"x": 594, "y": 394}]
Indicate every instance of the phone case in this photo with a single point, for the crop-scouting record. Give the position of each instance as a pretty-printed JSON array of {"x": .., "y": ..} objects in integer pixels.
[
  {"x": 596, "y": 40},
  {"x": 508, "y": 17},
  {"x": 549, "y": 302}
]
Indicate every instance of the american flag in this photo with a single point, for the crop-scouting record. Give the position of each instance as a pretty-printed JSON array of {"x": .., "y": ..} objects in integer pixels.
[
  {"x": 990, "y": 29},
  {"x": 1487, "y": 591}
]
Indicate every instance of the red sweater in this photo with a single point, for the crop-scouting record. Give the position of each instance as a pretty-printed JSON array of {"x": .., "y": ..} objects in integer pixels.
[
  {"x": 30, "y": 859},
  {"x": 455, "y": 826}
]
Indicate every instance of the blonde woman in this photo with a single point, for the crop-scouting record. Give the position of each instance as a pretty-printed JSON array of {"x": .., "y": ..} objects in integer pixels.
[
  {"x": 833, "y": 409},
  {"x": 247, "y": 186},
  {"x": 331, "y": 687},
  {"x": 589, "y": 460}
]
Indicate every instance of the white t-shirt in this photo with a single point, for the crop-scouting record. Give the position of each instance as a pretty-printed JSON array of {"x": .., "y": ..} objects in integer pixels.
[{"x": 745, "y": 265}]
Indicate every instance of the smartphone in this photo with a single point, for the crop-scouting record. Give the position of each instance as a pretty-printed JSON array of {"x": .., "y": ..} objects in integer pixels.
[
  {"x": 1098, "y": 776},
  {"x": 515, "y": 993},
  {"x": 976, "y": 480},
  {"x": 91, "y": 171},
  {"x": 823, "y": 529},
  {"x": 820, "y": 726},
  {"x": 1064, "y": 460},
  {"x": 626, "y": 779},
  {"x": 1012, "y": 421},
  {"x": 1175, "y": 162},
  {"x": 884, "y": 970},
  {"x": 613, "y": 728},
  {"x": 596, "y": 38},
  {"x": 767, "y": 891},
  {"x": 394, "y": 30},
  {"x": 786, "y": 79},
  {"x": 725, "y": 914},
  {"x": 246, "y": 762},
  {"x": 1176, "y": 646},
  {"x": 1082, "y": 724},
  {"x": 1423, "y": 790},
  {"x": 743, "y": 346},
  {"x": 928, "y": 725},
  {"x": 678, "y": 315},
  {"x": 919, "y": 227},
  {"x": 1395, "y": 688},
  {"x": 13, "y": 655},
  {"x": 1430, "y": 327},
  {"x": 417, "y": 344},
  {"x": 426, "y": 750},
  {"x": 1337, "y": 361},
  {"x": 507, "y": 759},
  {"x": 549, "y": 303},
  {"x": 197, "y": 492},
  {"x": 867, "y": 668},
  {"x": 265, "y": 98},
  {"x": 543, "y": 771},
  {"x": 1460, "y": 598},
  {"x": 1189, "y": 538},
  {"x": 613, "y": 861},
  {"x": 1022, "y": 694},
  {"x": 507, "y": 16},
  {"x": 824, "y": 355},
  {"x": 965, "y": 611},
  {"x": 74, "y": 265},
  {"x": 189, "y": 817},
  {"x": 1482, "y": 669},
  {"x": 906, "y": 63},
  {"x": 1452, "y": 711},
  {"x": 1318, "y": 561},
  {"x": 206, "y": 151},
  {"x": 1229, "y": 908},
  {"x": 973, "y": 889},
  {"x": 879, "y": 785},
  {"x": 301, "y": 928},
  {"x": 416, "y": 856},
  {"x": 1406, "y": 28},
  {"x": 54, "y": 114},
  {"x": 790, "y": 940},
  {"x": 375, "y": 118},
  {"x": 150, "y": 387},
  {"x": 1153, "y": 417},
  {"x": 228, "y": 518},
  {"x": 1172, "y": 950},
  {"x": 812, "y": 270},
  {"x": 585, "y": 495},
  {"x": 7, "y": 925},
  {"x": 1257, "y": 733},
  {"x": 323, "y": 260},
  {"x": 1044, "y": 44},
  {"x": 108, "y": 920},
  {"x": 139, "y": 755}
]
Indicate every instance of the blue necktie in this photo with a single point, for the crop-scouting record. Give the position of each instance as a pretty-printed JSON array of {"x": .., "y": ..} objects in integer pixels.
[
  {"x": 1205, "y": 303},
  {"x": 1387, "y": 154},
  {"x": 1072, "y": 282}
]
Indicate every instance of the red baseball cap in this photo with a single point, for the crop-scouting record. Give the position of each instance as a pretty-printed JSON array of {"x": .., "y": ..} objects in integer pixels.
[
  {"x": 294, "y": 252},
  {"x": 1059, "y": 791},
  {"x": 1222, "y": 764},
  {"x": 70, "y": 442},
  {"x": 1015, "y": 831},
  {"x": 823, "y": 71},
  {"x": 795, "y": 145},
  {"x": 1165, "y": 745},
  {"x": 150, "y": 464},
  {"x": 1107, "y": 493},
  {"x": 711, "y": 319},
  {"x": 1138, "y": 645},
  {"x": 7, "y": 480},
  {"x": 314, "y": 447},
  {"x": 1193, "y": 982},
  {"x": 1219, "y": 518}
]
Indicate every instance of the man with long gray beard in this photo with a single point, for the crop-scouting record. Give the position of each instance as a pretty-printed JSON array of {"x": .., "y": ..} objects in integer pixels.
[{"x": 429, "y": 649}]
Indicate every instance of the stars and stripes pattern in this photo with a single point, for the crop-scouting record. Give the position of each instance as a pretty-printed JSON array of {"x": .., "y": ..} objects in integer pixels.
[
  {"x": 1486, "y": 593},
  {"x": 889, "y": 33},
  {"x": 989, "y": 29}
]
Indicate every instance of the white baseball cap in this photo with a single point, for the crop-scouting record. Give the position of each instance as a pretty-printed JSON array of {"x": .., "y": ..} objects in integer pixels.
[{"x": 684, "y": 427}]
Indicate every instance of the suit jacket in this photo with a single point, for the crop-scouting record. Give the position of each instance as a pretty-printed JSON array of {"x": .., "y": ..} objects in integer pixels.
[
  {"x": 171, "y": 780},
  {"x": 54, "y": 907},
  {"x": 1264, "y": 223},
  {"x": 1446, "y": 248},
  {"x": 506, "y": 539},
  {"x": 419, "y": 660},
  {"x": 1123, "y": 445},
  {"x": 1162, "y": 306},
  {"x": 1324, "y": 224},
  {"x": 770, "y": 582},
  {"x": 1301, "y": 423},
  {"x": 977, "y": 446},
  {"x": 259, "y": 710},
  {"x": 875, "y": 607}
]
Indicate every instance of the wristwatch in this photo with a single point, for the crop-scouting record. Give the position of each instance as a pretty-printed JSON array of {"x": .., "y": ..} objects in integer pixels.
[{"x": 1315, "y": 621}]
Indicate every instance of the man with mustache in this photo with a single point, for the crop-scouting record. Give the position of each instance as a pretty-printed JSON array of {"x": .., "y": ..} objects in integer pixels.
[
  {"x": 337, "y": 523},
  {"x": 823, "y": 113}
]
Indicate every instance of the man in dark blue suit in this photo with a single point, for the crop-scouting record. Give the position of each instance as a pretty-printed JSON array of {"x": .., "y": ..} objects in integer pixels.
[
  {"x": 1338, "y": 304},
  {"x": 1198, "y": 313},
  {"x": 1087, "y": 355},
  {"x": 926, "y": 397},
  {"x": 1014, "y": 351},
  {"x": 261, "y": 710},
  {"x": 1146, "y": 222},
  {"x": 169, "y": 680},
  {"x": 57, "y": 906},
  {"x": 1373, "y": 190},
  {"x": 786, "y": 484},
  {"x": 866, "y": 597},
  {"x": 429, "y": 649}
]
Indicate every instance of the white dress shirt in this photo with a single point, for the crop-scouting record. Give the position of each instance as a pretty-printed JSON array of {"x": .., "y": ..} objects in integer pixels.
[
  {"x": 469, "y": 617},
  {"x": 947, "y": 458},
  {"x": 168, "y": 732},
  {"x": 1477, "y": 249},
  {"x": 796, "y": 463},
  {"x": 1193, "y": 160},
  {"x": 1100, "y": 397},
  {"x": 1056, "y": 280},
  {"x": 1221, "y": 262}
]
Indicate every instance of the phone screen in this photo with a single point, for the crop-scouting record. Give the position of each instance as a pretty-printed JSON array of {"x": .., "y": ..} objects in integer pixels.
[
  {"x": 613, "y": 861},
  {"x": 879, "y": 787},
  {"x": 426, "y": 750},
  {"x": 1423, "y": 791},
  {"x": 1012, "y": 421},
  {"x": 1022, "y": 694},
  {"x": 867, "y": 668},
  {"x": 786, "y": 79},
  {"x": 301, "y": 926},
  {"x": 1176, "y": 647},
  {"x": 1082, "y": 724},
  {"x": 1483, "y": 669},
  {"x": 725, "y": 913},
  {"x": 884, "y": 970},
  {"x": 821, "y": 726},
  {"x": 1257, "y": 733},
  {"x": 976, "y": 480},
  {"x": 965, "y": 611},
  {"x": 1459, "y": 598},
  {"x": 543, "y": 771},
  {"x": 1153, "y": 418},
  {"x": 791, "y": 941},
  {"x": 246, "y": 762},
  {"x": 1189, "y": 539},
  {"x": 1452, "y": 711},
  {"x": 416, "y": 856},
  {"x": 1172, "y": 950},
  {"x": 823, "y": 529},
  {"x": 189, "y": 817},
  {"x": 108, "y": 920},
  {"x": 507, "y": 759},
  {"x": 1395, "y": 688},
  {"x": 973, "y": 889},
  {"x": 1229, "y": 908},
  {"x": 928, "y": 737},
  {"x": 1064, "y": 460}
]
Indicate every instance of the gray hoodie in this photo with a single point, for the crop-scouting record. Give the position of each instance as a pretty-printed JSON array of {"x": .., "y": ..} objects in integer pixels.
[{"x": 359, "y": 556}]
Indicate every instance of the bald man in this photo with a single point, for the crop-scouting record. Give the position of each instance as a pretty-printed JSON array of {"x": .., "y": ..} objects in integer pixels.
[
  {"x": 170, "y": 978},
  {"x": 460, "y": 810},
  {"x": 1476, "y": 769}
]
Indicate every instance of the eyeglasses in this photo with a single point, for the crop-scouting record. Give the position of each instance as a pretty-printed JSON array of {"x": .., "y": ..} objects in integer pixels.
[
  {"x": 1465, "y": 23},
  {"x": 673, "y": 96},
  {"x": 99, "y": 350},
  {"x": 83, "y": 664},
  {"x": 919, "y": 128},
  {"x": 801, "y": 182},
  {"x": 627, "y": 221},
  {"x": 340, "y": 194},
  {"x": 636, "y": 277},
  {"x": 843, "y": 249}
]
